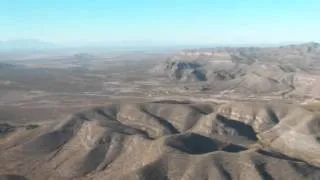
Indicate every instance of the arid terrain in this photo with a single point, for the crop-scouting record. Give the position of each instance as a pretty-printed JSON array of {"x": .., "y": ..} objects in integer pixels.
[{"x": 218, "y": 113}]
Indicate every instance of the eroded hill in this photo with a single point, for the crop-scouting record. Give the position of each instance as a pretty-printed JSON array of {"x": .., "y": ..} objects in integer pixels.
[
  {"x": 220, "y": 113},
  {"x": 286, "y": 71},
  {"x": 168, "y": 140}
]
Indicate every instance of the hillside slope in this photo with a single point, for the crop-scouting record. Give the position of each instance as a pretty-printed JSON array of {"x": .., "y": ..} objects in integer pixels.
[{"x": 150, "y": 140}]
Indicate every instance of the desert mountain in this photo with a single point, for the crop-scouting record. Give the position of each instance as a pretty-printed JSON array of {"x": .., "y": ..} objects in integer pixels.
[
  {"x": 168, "y": 140},
  {"x": 287, "y": 70},
  {"x": 218, "y": 113}
]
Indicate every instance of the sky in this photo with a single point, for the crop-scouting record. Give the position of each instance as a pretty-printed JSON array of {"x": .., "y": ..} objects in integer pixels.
[{"x": 161, "y": 21}]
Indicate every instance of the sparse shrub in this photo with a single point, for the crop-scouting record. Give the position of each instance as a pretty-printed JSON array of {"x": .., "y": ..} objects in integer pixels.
[
  {"x": 5, "y": 129},
  {"x": 32, "y": 126}
]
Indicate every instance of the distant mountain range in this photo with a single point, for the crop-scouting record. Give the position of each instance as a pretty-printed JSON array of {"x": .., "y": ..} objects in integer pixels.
[
  {"x": 26, "y": 44},
  {"x": 35, "y": 44}
]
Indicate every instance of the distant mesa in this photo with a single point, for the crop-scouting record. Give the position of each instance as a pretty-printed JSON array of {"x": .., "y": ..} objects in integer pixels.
[
  {"x": 84, "y": 56},
  {"x": 186, "y": 71},
  {"x": 6, "y": 65},
  {"x": 247, "y": 70}
]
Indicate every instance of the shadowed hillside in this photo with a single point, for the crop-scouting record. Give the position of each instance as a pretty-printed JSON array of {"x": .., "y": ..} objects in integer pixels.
[{"x": 150, "y": 140}]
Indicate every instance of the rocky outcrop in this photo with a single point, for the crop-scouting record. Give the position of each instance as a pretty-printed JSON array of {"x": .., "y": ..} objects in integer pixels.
[{"x": 159, "y": 140}]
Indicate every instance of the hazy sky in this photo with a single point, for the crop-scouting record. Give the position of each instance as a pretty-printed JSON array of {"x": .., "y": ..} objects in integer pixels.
[{"x": 161, "y": 21}]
